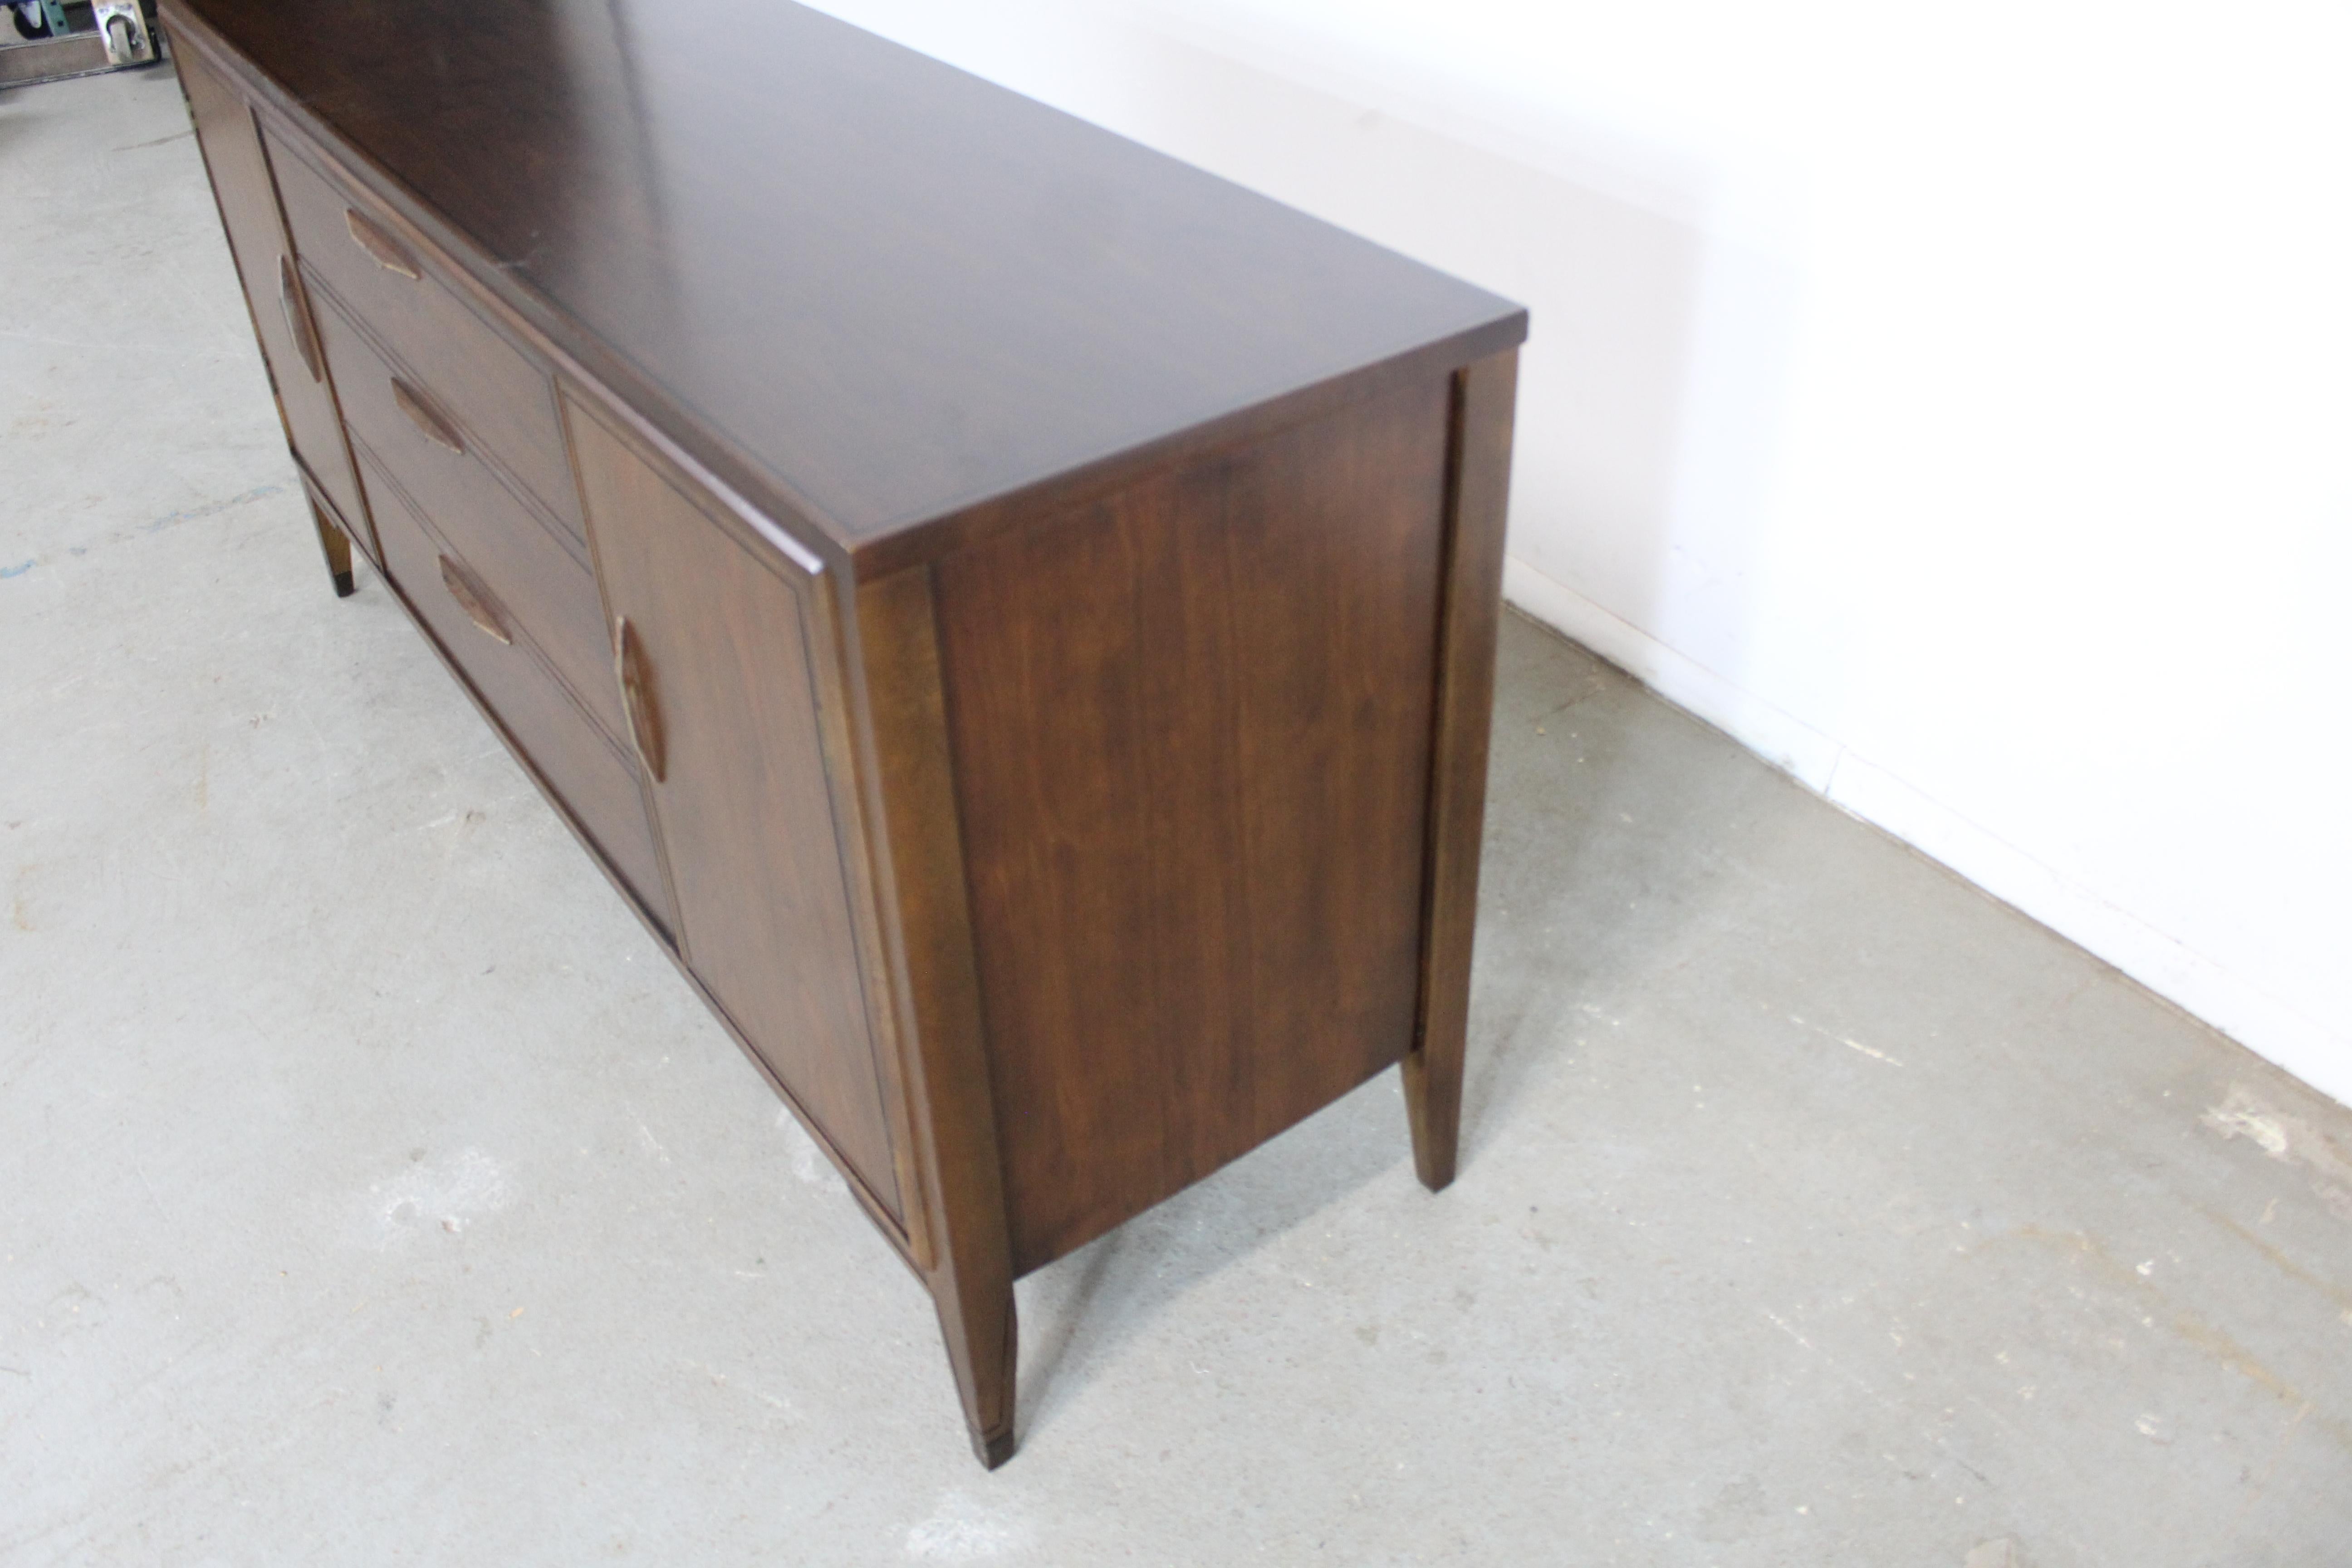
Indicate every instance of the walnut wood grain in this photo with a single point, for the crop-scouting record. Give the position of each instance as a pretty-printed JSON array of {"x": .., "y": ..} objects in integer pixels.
[
  {"x": 591, "y": 780},
  {"x": 430, "y": 423},
  {"x": 491, "y": 387},
  {"x": 1478, "y": 490},
  {"x": 1012, "y": 613},
  {"x": 637, "y": 701},
  {"x": 508, "y": 545},
  {"x": 249, "y": 210},
  {"x": 336, "y": 545},
  {"x": 935, "y": 995},
  {"x": 1191, "y": 730},
  {"x": 298, "y": 320},
  {"x": 380, "y": 248},
  {"x": 477, "y": 604},
  {"x": 1128, "y": 295},
  {"x": 745, "y": 809}
]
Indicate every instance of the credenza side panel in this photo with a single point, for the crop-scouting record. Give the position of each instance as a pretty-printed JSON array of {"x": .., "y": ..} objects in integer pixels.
[
  {"x": 1191, "y": 730},
  {"x": 231, "y": 143},
  {"x": 727, "y": 646}
]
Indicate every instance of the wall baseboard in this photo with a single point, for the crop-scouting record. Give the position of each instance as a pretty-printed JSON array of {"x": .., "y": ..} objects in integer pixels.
[{"x": 2197, "y": 985}]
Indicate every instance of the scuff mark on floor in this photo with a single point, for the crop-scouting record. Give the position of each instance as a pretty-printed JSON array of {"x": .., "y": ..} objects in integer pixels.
[
  {"x": 453, "y": 1193},
  {"x": 1850, "y": 1044},
  {"x": 653, "y": 1145},
  {"x": 157, "y": 524},
  {"x": 963, "y": 1530},
  {"x": 2289, "y": 1140}
]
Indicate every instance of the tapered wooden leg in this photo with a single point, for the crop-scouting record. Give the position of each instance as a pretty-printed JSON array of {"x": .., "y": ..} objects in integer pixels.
[
  {"x": 338, "y": 548},
  {"x": 1433, "y": 1105},
  {"x": 1469, "y": 616},
  {"x": 983, "y": 1339},
  {"x": 963, "y": 1241}
]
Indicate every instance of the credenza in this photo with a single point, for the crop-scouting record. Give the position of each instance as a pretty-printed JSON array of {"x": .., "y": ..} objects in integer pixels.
[{"x": 1012, "y": 613}]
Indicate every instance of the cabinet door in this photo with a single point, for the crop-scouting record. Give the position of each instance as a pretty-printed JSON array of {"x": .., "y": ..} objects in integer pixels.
[
  {"x": 722, "y": 659},
  {"x": 273, "y": 289}
]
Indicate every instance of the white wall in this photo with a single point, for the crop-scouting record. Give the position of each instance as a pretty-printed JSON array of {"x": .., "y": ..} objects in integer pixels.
[{"x": 1953, "y": 405}]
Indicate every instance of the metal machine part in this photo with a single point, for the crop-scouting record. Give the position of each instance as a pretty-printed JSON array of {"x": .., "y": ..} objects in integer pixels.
[
  {"x": 77, "y": 38},
  {"x": 129, "y": 41}
]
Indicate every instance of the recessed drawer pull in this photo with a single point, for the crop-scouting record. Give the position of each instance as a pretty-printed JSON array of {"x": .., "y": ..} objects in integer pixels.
[
  {"x": 380, "y": 245},
  {"x": 637, "y": 698},
  {"x": 423, "y": 414},
  {"x": 298, "y": 320},
  {"x": 471, "y": 600}
]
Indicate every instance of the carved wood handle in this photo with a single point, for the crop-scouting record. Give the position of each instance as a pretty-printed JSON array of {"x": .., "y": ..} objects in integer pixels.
[
  {"x": 637, "y": 699},
  {"x": 474, "y": 602},
  {"x": 380, "y": 245},
  {"x": 423, "y": 414},
  {"x": 298, "y": 320}
]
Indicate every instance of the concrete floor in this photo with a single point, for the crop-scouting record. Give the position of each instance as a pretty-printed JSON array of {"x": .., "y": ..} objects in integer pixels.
[{"x": 372, "y": 1191}]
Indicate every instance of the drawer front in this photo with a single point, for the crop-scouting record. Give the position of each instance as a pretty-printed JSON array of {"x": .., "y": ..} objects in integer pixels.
[
  {"x": 502, "y": 400},
  {"x": 592, "y": 777},
  {"x": 282, "y": 318},
  {"x": 549, "y": 592}
]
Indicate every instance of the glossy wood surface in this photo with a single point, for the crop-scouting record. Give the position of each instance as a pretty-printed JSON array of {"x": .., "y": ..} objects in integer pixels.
[
  {"x": 589, "y": 778},
  {"x": 514, "y": 550},
  {"x": 933, "y": 1002},
  {"x": 1016, "y": 615},
  {"x": 335, "y": 545},
  {"x": 893, "y": 287},
  {"x": 1192, "y": 732},
  {"x": 493, "y": 391},
  {"x": 249, "y": 209},
  {"x": 1484, "y": 396},
  {"x": 745, "y": 809}
]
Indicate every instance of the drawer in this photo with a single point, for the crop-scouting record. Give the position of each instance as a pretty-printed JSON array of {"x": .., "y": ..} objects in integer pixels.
[
  {"x": 549, "y": 592},
  {"x": 585, "y": 769},
  {"x": 502, "y": 400}
]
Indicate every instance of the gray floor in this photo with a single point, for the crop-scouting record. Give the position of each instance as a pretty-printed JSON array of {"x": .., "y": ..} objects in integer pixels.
[{"x": 371, "y": 1190}]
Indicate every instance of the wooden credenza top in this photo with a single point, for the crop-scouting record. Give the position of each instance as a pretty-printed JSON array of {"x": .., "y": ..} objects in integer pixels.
[{"x": 872, "y": 288}]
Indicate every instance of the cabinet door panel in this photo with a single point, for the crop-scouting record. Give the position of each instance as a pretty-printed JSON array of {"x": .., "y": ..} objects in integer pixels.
[
  {"x": 264, "y": 264},
  {"x": 723, "y": 650}
]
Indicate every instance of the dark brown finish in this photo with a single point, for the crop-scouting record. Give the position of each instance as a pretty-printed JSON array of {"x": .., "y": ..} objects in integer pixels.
[
  {"x": 508, "y": 545},
  {"x": 425, "y": 418},
  {"x": 474, "y": 602},
  {"x": 583, "y": 770},
  {"x": 721, "y": 645},
  {"x": 1016, "y": 615},
  {"x": 484, "y": 383},
  {"x": 337, "y": 547},
  {"x": 935, "y": 997},
  {"x": 637, "y": 700},
  {"x": 360, "y": 535},
  {"x": 298, "y": 320},
  {"x": 1484, "y": 394},
  {"x": 256, "y": 237},
  {"x": 1191, "y": 730},
  {"x": 869, "y": 280},
  {"x": 380, "y": 247}
]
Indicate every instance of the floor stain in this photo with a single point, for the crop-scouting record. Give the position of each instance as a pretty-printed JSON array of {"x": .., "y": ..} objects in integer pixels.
[
  {"x": 2338, "y": 1294},
  {"x": 2289, "y": 1140},
  {"x": 2186, "y": 1325}
]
